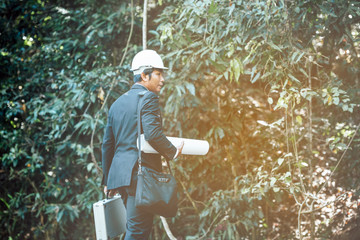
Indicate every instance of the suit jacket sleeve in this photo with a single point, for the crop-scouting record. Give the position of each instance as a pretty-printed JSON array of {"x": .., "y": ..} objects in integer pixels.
[
  {"x": 152, "y": 126},
  {"x": 108, "y": 147}
]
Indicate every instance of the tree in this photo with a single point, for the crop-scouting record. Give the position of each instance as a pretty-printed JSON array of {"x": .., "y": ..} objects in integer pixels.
[
  {"x": 272, "y": 85},
  {"x": 60, "y": 61},
  {"x": 262, "y": 80}
]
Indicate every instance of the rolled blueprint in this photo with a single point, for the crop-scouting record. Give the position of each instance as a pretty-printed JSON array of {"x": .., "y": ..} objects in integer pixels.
[{"x": 191, "y": 146}]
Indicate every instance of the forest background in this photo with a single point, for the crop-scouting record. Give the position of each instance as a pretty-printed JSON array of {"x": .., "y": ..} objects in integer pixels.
[{"x": 273, "y": 85}]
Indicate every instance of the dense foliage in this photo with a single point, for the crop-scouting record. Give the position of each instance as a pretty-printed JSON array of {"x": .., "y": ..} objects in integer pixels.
[
  {"x": 276, "y": 87},
  {"x": 272, "y": 85}
]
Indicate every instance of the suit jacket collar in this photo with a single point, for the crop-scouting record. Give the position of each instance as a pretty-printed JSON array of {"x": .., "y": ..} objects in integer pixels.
[{"x": 139, "y": 86}]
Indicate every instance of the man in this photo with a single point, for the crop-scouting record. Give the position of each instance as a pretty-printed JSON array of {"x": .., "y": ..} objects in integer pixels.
[{"x": 119, "y": 149}]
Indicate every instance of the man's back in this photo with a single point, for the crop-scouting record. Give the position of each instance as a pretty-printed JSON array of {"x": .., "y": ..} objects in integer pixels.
[{"x": 119, "y": 145}]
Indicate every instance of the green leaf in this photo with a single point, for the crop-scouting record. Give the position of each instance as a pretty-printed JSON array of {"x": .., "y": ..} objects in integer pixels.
[
  {"x": 6, "y": 204},
  {"x": 280, "y": 161},
  {"x": 60, "y": 215},
  {"x": 190, "y": 87},
  {"x": 245, "y": 190},
  {"x": 276, "y": 189},
  {"x": 236, "y": 66},
  {"x": 299, "y": 120},
  {"x": 303, "y": 164},
  {"x": 220, "y": 133},
  {"x": 293, "y": 78},
  {"x": 90, "y": 166},
  {"x": 299, "y": 57},
  {"x": 341, "y": 146},
  {"x": 213, "y": 7},
  {"x": 89, "y": 36},
  {"x": 327, "y": 11},
  {"x": 272, "y": 181},
  {"x": 255, "y": 78},
  {"x": 226, "y": 75},
  {"x": 232, "y": 8},
  {"x": 274, "y": 46}
]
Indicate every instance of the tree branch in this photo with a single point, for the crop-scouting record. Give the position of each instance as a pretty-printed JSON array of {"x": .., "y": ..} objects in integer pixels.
[
  {"x": 144, "y": 26},
  {"x": 167, "y": 229}
]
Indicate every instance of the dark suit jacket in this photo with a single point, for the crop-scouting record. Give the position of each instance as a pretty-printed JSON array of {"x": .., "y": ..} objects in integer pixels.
[{"x": 119, "y": 150}]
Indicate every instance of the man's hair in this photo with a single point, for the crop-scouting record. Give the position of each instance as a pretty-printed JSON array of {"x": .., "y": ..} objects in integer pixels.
[{"x": 137, "y": 77}]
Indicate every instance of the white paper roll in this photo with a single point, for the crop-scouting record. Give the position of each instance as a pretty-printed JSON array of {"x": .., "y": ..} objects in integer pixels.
[{"x": 191, "y": 146}]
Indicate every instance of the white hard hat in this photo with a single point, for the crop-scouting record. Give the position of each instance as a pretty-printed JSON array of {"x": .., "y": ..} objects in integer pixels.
[{"x": 146, "y": 59}]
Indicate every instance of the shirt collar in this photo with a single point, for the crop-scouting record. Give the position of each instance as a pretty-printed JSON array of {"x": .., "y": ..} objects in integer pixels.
[{"x": 141, "y": 85}]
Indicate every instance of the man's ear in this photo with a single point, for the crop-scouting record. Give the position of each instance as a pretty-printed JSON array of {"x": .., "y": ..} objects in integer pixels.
[{"x": 144, "y": 77}]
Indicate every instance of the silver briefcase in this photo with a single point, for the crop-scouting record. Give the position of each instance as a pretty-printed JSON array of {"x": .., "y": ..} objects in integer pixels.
[{"x": 110, "y": 218}]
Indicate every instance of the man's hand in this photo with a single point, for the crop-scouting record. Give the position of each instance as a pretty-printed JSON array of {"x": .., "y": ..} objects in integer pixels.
[
  {"x": 180, "y": 148},
  {"x": 112, "y": 192}
]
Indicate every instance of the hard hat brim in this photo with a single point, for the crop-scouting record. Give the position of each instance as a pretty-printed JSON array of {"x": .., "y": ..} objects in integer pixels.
[{"x": 145, "y": 67}]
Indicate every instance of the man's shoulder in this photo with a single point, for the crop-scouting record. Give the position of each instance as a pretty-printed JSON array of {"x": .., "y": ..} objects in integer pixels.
[
  {"x": 131, "y": 93},
  {"x": 150, "y": 99},
  {"x": 150, "y": 94},
  {"x": 124, "y": 99}
]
